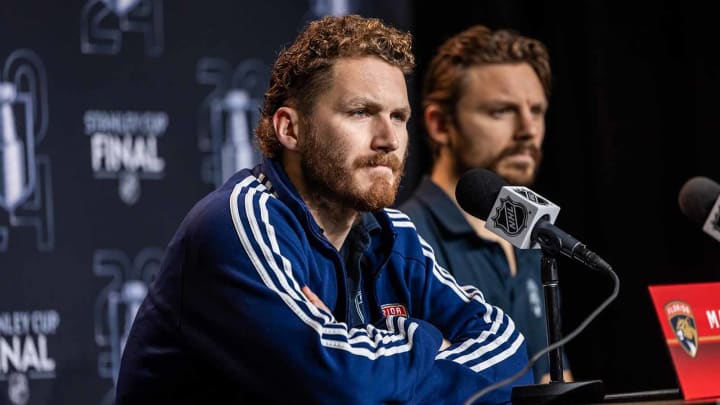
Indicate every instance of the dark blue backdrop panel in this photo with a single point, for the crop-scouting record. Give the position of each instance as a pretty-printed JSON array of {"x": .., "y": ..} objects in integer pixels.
[{"x": 116, "y": 116}]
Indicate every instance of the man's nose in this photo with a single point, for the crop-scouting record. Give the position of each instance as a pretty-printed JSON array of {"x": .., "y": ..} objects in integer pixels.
[
  {"x": 386, "y": 135},
  {"x": 529, "y": 125}
]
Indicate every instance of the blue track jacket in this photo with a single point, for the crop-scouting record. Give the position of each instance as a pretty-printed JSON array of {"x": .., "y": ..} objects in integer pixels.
[{"x": 225, "y": 320}]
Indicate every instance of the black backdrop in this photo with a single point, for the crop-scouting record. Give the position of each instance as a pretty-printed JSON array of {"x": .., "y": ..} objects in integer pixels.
[
  {"x": 123, "y": 110},
  {"x": 633, "y": 115}
]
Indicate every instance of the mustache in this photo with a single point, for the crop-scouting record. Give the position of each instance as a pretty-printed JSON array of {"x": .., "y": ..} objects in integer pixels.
[
  {"x": 534, "y": 151},
  {"x": 389, "y": 160}
]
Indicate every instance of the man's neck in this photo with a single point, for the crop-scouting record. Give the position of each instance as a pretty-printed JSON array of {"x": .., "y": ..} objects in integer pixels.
[
  {"x": 445, "y": 177},
  {"x": 335, "y": 219}
]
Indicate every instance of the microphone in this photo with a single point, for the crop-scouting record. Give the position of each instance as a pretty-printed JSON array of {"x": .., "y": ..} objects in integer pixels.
[
  {"x": 520, "y": 216},
  {"x": 698, "y": 200}
]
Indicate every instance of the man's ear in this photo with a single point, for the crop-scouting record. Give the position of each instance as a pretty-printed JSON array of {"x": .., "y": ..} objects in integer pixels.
[
  {"x": 286, "y": 123},
  {"x": 437, "y": 125}
]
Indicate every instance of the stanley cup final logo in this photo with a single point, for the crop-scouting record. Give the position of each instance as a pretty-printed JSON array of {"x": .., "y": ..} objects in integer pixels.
[
  {"x": 103, "y": 23},
  {"x": 683, "y": 325},
  {"x": 18, "y": 388},
  {"x": 25, "y": 183},
  {"x": 125, "y": 146},
  {"x": 228, "y": 116},
  {"x": 118, "y": 303}
]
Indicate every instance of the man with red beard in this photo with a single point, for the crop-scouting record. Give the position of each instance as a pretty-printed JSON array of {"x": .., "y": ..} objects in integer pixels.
[
  {"x": 484, "y": 98},
  {"x": 292, "y": 283}
]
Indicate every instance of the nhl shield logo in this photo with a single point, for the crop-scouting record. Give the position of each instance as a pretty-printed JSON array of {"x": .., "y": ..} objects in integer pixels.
[
  {"x": 510, "y": 217},
  {"x": 683, "y": 325}
]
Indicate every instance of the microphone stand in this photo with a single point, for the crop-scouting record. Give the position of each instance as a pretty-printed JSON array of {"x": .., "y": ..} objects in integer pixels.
[{"x": 557, "y": 391}]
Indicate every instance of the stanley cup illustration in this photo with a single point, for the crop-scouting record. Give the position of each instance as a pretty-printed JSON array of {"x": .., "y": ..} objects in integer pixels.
[
  {"x": 230, "y": 113},
  {"x": 132, "y": 295},
  {"x": 122, "y": 306},
  {"x": 12, "y": 164},
  {"x": 25, "y": 177},
  {"x": 236, "y": 151},
  {"x": 121, "y": 7},
  {"x": 322, "y": 8},
  {"x": 118, "y": 303}
]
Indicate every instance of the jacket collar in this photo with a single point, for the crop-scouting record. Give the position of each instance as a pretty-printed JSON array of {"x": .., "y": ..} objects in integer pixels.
[{"x": 286, "y": 192}]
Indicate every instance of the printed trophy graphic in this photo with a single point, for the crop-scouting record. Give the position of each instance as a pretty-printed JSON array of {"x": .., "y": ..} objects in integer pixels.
[
  {"x": 228, "y": 116},
  {"x": 321, "y": 8},
  {"x": 13, "y": 163},
  {"x": 118, "y": 303},
  {"x": 103, "y": 23},
  {"x": 236, "y": 151},
  {"x": 25, "y": 181}
]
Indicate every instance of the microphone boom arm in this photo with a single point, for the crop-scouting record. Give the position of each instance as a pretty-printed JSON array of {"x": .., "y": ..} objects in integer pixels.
[{"x": 554, "y": 240}]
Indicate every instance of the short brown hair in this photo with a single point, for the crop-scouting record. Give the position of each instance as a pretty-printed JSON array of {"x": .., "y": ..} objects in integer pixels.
[
  {"x": 477, "y": 46},
  {"x": 301, "y": 71}
]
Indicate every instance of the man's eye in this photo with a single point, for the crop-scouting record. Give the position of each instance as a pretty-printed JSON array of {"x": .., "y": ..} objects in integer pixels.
[
  {"x": 501, "y": 111},
  {"x": 538, "y": 110},
  {"x": 359, "y": 112},
  {"x": 399, "y": 117}
]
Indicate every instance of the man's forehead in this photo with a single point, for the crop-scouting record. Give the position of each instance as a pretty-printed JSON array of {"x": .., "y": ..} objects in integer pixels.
[
  {"x": 508, "y": 79},
  {"x": 503, "y": 74},
  {"x": 368, "y": 79}
]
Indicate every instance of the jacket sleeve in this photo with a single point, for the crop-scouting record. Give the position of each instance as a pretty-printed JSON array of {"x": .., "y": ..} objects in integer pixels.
[
  {"x": 484, "y": 339},
  {"x": 243, "y": 309}
]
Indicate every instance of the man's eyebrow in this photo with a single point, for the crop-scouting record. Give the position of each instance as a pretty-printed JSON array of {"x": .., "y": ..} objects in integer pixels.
[
  {"x": 405, "y": 110},
  {"x": 361, "y": 100}
]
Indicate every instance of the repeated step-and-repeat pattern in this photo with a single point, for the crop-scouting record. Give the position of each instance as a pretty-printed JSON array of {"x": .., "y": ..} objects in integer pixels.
[{"x": 116, "y": 116}]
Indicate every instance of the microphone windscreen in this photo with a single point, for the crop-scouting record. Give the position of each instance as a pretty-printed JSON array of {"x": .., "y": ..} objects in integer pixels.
[
  {"x": 697, "y": 197},
  {"x": 477, "y": 190}
]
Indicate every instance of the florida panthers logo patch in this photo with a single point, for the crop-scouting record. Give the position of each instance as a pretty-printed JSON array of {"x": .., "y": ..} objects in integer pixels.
[{"x": 683, "y": 324}]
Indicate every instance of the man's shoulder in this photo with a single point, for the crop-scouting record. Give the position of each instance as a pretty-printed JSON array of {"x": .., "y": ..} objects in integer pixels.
[
  {"x": 422, "y": 216},
  {"x": 243, "y": 196},
  {"x": 407, "y": 241},
  {"x": 413, "y": 207},
  {"x": 418, "y": 204},
  {"x": 430, "y": 208},
  {"x": 401, "y": 223}
]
